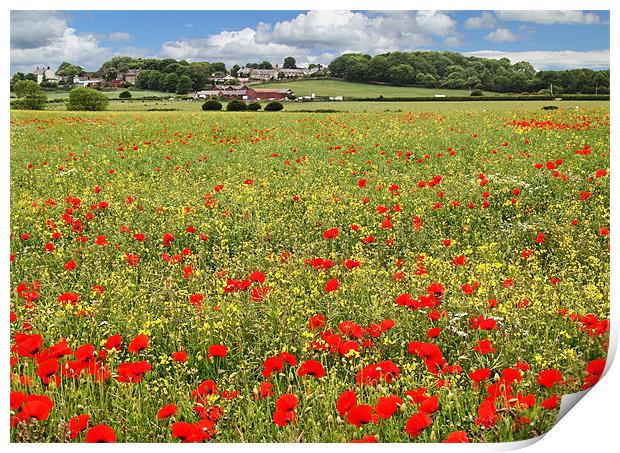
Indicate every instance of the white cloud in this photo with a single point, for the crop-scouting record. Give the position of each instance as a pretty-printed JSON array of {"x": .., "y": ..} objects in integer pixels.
[
  {"x": 119, "y": 36},
  {"x": 501, "y": 35},
  {"x": 453, "y": 41},
  {"x": 435, "y": 23},
  {"x": 320, "y": 33},
  {"x": 551, "y": 17},
  {"x": 32, "y": 29},
  {"x": 82, "y": 50},
  {"x": 485, "y": 20},
  {"x": 548, "y": 59},
  {"x": 227, "y": 46}
]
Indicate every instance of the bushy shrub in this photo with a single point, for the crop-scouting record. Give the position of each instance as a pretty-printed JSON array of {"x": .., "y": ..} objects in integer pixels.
[
  {"x": 236, "y": 105},
  {"x": 274, "y": 106},
  {"x": 87, "y": 99},
  {"x": 30, "y": 96},
  {"x": 212, "y": 105},
  {"x": 476, "y": 92},
  {"x": 124, "y": 95},
  {"x": 254, "y": 106}
]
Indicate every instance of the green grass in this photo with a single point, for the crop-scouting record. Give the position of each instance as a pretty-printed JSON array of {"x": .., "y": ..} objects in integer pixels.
[
  {"x": 363, "y": 106},
  {"x": 110, "y": 94},
  {"x": 328, "y": 87}
]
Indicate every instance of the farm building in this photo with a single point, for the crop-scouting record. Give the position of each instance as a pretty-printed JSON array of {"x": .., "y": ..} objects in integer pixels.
[
  {"x": 46, "y": 73},
  {"x": 243, "y": 92}
]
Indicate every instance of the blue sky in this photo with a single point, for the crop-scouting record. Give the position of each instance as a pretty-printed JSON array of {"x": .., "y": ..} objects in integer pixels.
[{"x": 550, "y": 40}]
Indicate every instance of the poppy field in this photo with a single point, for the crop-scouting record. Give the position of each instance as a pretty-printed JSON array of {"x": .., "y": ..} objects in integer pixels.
[{"x": 289, "y": 277}]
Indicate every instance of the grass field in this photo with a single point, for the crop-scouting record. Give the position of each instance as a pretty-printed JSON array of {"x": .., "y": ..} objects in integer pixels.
[
  {"x": 110, "y": 94},
  {"x": 344, "y": 106},
  {"x": 426, "y": 275},
  {"x": 326, "y": 87}
]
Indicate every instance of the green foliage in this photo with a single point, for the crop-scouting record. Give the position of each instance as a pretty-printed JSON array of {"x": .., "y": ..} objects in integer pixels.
[
  {"x": 124, "y": 95},
  {"x": 274, "y": 106},
  {"x": 87, "y": 99},
  {"x": 476, "y": 92},
  {"x": 30, "y": 95},
  {"x": 254, "y": 106},
  {"x": 184, "y": 85},
  {"x": 212, "y": 105},
  {"x": 289, "y": 63},
  {"x": 456, "y": 71},
  {"x": 236, "y": 105}
]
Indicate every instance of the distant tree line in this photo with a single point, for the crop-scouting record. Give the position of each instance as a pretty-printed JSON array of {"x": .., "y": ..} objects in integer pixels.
[{"x": 454, "y": 70}]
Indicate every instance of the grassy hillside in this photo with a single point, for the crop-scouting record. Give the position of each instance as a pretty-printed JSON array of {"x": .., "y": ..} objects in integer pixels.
[{"x": 326, "y": 87}]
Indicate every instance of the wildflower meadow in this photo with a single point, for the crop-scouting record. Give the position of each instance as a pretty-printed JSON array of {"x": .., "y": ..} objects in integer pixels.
[{"x": 305, "y": 277}]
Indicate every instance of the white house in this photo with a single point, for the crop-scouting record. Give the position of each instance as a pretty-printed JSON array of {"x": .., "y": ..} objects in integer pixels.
[{"x": 46, "y": 73}]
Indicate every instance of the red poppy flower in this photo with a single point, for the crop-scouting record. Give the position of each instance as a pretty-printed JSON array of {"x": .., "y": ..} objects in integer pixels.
[
  {"x": 429, "y": 405},
  {"x": 168, "y": 238},
  {"x": 331, "y": 285},
  {"x": 331, "y": 233},
  {"x": 548, "y": 378},
  {"x": 100, "y": 434},
  {"x": 139, "y": 343},
  {"x": 167, "y": 411},
  {"x": 78, "y": 424},
  {"x": 484, "y": 347},
  {"x": 217, "y": 350},
  {"x": 289, "y": 358},
  {"x": 456, "y": 437},
  {"x": 266, "y": 389},
  {"x": 550, "y": 403},
  {"x": 70, "y": 265},
  {"x": 360, "y": 415},
  {"x": 459, "y": 260},
  {"x": 272, "y": 365},
  {"x": 417, "y": 423},
  {"x": 480, "y": 375},
  {"x": 180, "y": 356},
  {"x": 387, "y": 406},
  {"x": 486, "y": 413},
  {"x": 185, "y": 431},
  {"x": 346, "y": 401},
  {"x": 367, "y": 439},
  {"x": 36, "y": 406},
  {"x": 311, "y": 368}
]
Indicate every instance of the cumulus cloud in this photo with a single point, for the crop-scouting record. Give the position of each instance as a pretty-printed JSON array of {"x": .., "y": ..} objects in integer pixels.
[
  {"x": 501, "y": 35},
  {"x": 119, "y": 36},
  {"x": 314, "y": 34},
  {"x": 560, "y": 59},
  {"x": 485, "y": 20},
  {"x": 551, "y": 17},
  {"x": 32, "y": 29},
  {"x": 44, "y": 38}
]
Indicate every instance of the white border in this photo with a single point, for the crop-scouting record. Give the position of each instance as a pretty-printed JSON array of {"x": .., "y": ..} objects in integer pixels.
[{"x": 590, "y": 426}]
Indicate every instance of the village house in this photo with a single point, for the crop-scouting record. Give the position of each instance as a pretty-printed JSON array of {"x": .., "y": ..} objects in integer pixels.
[
  {"x": 46, "y": 73},
  {"x": 129, "y": 76},
  {"x": 243, "y": 93},
  {"x": 87, "y": 82}
]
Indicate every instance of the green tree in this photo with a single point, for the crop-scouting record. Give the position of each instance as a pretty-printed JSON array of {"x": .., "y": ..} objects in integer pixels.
[
  {"x": 155, "y": 81},
  {"x": 357, "y": 69},
  {"x": 87, "y": 99},
  {"x": 219, "y": 67},
  {"x": 289, "y": 63},
  {"x": 169, "y": 82},
  {"x": 30, "y": 95},
  {"x": 234, "y": 70},
  {"x": 377, "y": 68},
  {"x": 401, "y": 74},
  {"x": 184, "y": 85}
]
